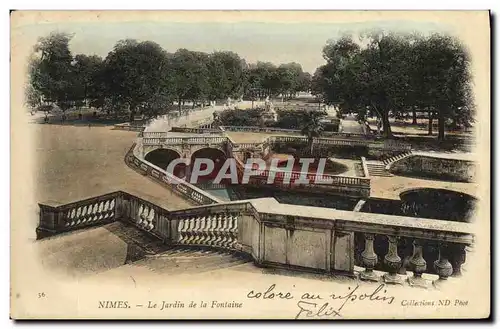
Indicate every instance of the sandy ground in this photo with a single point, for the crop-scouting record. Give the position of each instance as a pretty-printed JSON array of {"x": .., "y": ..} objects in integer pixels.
[{"x": 80, "y": 162}]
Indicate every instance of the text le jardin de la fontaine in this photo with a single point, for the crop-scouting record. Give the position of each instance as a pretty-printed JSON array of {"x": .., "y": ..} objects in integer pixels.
[{"x": 325, "y": 305}]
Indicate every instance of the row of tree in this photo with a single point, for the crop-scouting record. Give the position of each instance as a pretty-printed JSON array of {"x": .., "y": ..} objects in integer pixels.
[
  {"x": 141, "y": 77},
  {"x": 396, "y": 75}
]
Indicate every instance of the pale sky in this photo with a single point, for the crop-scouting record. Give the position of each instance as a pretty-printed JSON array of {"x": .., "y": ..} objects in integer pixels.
[{"x": 254, "y": 41}]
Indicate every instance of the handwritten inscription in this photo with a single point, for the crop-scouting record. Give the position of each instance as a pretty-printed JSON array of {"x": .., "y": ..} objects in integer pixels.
[
  {"x": 270, "y": 294},
  {"x": 314, "y": 305}
]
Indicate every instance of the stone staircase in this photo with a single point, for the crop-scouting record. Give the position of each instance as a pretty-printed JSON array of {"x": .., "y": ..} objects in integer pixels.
[
  {"x": 397, "y": 157},
  {"x": 131, "y": 235},
  {"x": 377, "y": 168},
  {"x": 181, "y": 260}
]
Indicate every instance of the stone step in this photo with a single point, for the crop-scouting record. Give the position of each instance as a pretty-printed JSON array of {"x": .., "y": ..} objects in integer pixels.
[
  {"x": 381, "y": 175},
  {"x": 186, "y": 252},
  {"x": 133, "y": 235},
  {"x": 376, "y": 166},
  {"x": 173, "y": 264}
]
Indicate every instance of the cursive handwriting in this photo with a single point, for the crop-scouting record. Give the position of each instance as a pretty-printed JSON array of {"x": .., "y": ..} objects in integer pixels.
[
  {"x": 314, "y": 305},
  {"x": 269, "y": 294},
  {"x": 310, "y": 309},
  {"x": 373, "y": 296}
]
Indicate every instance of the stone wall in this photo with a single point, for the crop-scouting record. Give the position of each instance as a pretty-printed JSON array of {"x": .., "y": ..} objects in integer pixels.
[
  {"x": 301, "y": 148},
  {"x": 433, "y": 167}
]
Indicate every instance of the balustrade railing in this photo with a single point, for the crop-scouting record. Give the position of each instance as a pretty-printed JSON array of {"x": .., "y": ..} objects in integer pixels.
[
  {"x": 160, "y": 138},
  {"x": 175, "y": 183},
  {"x": 146, "y": 216},
  {"x": 76, "y": 215},
  {"x": 211, "y": 230},
  {"x": 196, "y": 130},
  {"x": 149, "y": 139},
  {"x": 257, "y": 129},
  {"x": 382, "y": 145},
  {"x": 291, "y": 179},
  {"x": 240, "y": 226}
]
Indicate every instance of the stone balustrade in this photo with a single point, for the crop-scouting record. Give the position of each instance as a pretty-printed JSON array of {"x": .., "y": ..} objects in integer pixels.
[
  {"x": 216, "y": 231},
  {"x": 286, "y": 236},
  {"x": 256, "y": 129},
  {"x": 89, "y": 212},
  {"x": 196, "y": 130},
  {"x": 359, "y": 186},
  {"x": 378, "y": 145},
  {"x": 161, "y": 138},
  {"x": 145, "y": 215},
  {"x": 155, "y": 138},
  {"x": 167, "y": 179}
]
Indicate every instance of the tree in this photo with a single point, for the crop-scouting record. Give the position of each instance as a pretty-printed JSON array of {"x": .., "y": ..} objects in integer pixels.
[
  {"x": 51, "y": 73},
  {"x": 136, "y": 75},
  {"x": 393, "y": 74},
  {"x": 253, "y": 85},
  {"x": 312, "y": 126},
  {"x": 443, "y": 80},
  {"x": 266, "y": 79},
  {"x": 305, "y": 81},
  {"x": 33, "y": 98},
  {"x": 375, "y": 77},
  {"x": 87, "y": 69},
  {"x": 189, "y": 73},
  {"x": 226, "y": 75},
  {"x": 289, "y": 79}
]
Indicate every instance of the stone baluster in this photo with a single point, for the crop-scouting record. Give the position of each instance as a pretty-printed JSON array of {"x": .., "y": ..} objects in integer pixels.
[
  {"x": 418, "y": 265},
  {"x": 442, "y": 266},
  {"x": 393, "y": 262},
  {"x": 95, "y": 212},
  {"x": 370, "y": 259},
  {"x": 84, "y": 214},
  {"x": 190, "y": 230},
  {"x": 222, "y": 233},
  {"x": 150, "y": 218},
  {"x": 196, "y": 230},
  {"x": 218, "y": 232},
  {"x": 468, "y": 249},
  {"x": 234, "y": 232},
  {"x": 138, "y": 218},
  {"x": 201, "y": 233},
  {"x": 141, "y": 216},
  {"x": 180, "y": 230},
  {"x": 78, "y": 215},
  {"x": 210, "y": 230},
  {"x": 187, "y": 230},
  {"x": 230, "y": 235},
  {"x": 457, "y": 258},
  {"x": 225, "y": 232}
]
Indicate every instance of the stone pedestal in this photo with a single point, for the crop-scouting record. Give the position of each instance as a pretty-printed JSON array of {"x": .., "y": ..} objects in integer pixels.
[
  {"x": 418, "y": 265},
  {"x": 392, "y": 262},
  {"x": 369, "y": 260}
]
